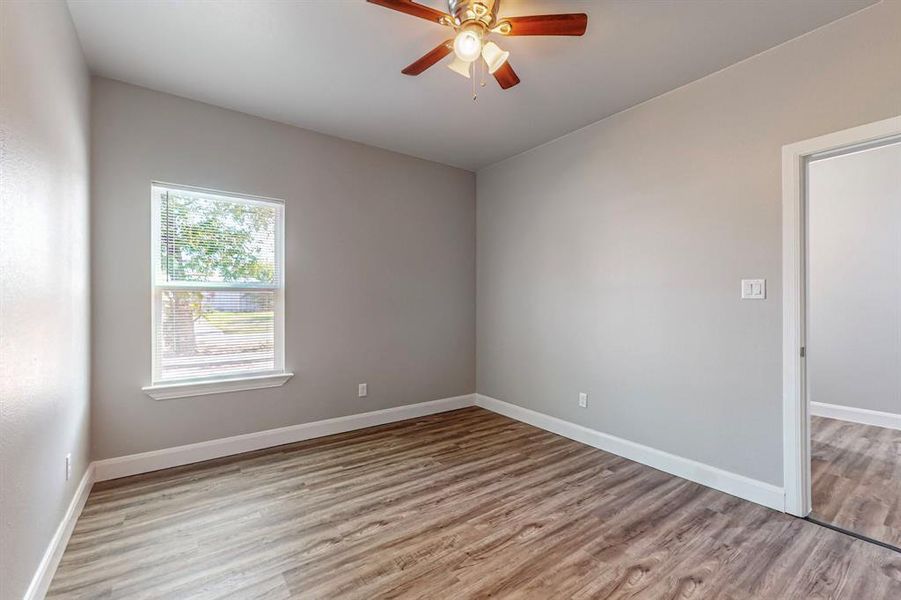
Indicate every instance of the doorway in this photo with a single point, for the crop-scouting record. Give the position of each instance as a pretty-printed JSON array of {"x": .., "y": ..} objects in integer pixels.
[
  {"x": 842, "y": 330},
  {"x": 854, "y": 340}
]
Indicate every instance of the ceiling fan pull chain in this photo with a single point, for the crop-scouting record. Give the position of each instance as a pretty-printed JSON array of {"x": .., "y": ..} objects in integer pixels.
[
  {"x": 482, "y": 64},
  {"x": 472, "y": 76}
]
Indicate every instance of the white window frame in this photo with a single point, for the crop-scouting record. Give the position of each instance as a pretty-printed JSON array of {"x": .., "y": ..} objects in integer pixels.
[{"x": 163, "y": 389}]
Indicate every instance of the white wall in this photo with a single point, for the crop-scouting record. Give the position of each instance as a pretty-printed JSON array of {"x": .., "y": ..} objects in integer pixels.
[
  {"x": 44, "y": 306},
  {"x": 380, "y": 268},
  {"x": 854, "y": 336},
  {"x": 609, "y": 260}
]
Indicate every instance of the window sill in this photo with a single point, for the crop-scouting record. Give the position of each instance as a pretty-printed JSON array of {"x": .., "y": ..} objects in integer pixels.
[{"x": 168, "y": 391}]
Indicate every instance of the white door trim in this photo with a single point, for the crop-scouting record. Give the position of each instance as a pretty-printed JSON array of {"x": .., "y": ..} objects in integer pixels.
[{"x": 795, "y": 413}]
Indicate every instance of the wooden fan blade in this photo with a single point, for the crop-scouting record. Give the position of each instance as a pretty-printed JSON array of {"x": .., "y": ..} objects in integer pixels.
[
  {"x": 506, "y": 76},
  {"x": 417, "y": 10},
  {"x": 565, "y": 24},
  {"x": 430, "y": 58}
]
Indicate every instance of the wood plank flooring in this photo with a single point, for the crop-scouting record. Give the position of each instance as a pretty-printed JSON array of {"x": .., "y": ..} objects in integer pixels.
[
  {"x": 856, "y": 478},
  {"x": 465, "y": 504}
]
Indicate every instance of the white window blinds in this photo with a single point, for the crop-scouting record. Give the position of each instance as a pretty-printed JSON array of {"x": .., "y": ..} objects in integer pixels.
[{"x": 217, "y": 285}]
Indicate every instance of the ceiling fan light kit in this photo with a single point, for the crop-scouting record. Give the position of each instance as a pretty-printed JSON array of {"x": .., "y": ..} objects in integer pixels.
[{"x": 473, "y": 22}]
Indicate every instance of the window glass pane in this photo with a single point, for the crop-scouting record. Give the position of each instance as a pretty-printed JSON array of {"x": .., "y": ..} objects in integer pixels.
[
  {"x": 215, "y": 333},
  {"x": 208, "y": 238}
]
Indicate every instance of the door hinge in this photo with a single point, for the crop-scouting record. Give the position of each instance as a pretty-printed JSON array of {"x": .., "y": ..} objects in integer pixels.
[{"x": 803, "y": 352}]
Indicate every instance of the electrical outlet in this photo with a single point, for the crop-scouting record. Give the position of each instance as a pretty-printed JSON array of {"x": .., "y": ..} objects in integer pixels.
[
  {"x": 583, "y": 399},
  {"x": 362, "y": 390},
  {"x": 68, "y": 467}
]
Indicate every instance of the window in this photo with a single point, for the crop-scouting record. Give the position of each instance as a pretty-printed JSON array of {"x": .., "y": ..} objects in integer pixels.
[{"x": 218, "y": 292}]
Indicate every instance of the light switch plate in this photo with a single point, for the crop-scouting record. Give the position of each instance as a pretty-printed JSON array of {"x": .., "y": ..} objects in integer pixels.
[
  {"x": 753, "y": 289},
  {"x": 362, "y": 390}
]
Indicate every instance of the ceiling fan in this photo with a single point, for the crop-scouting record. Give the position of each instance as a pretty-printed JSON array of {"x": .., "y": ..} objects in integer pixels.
[{"x": 474, "y": 21}]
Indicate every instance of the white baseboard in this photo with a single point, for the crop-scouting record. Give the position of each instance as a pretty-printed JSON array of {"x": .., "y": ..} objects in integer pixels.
[
  {"x": 40, "y": 583},
  {"x": 856, "y": 415},
  {"x": 743, "y": 487},
  {"x": 102, "y": 470},
  {"x": 145, "y": 462},
  {"x": 134, "y": 464}
]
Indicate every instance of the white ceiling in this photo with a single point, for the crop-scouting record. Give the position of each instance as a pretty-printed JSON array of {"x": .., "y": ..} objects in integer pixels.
[{"x": 334, "y": 65}]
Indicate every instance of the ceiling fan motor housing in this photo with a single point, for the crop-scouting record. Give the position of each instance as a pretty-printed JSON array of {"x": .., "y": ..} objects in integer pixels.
[{"x": 481, "y": 12}]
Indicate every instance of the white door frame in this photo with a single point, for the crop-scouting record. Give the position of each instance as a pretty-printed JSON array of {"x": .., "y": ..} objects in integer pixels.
[{"x": 795, "y": 416}]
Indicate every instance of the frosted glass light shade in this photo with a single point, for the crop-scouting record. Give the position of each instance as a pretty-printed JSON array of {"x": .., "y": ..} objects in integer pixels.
[
  {"x": 468, "y": 45},
  {"x": 460, "y": 66},
  {"x": 494, "y": 56}
]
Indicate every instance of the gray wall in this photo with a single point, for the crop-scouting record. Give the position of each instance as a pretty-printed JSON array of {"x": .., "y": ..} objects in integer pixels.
[
  {"x": 854, "y": 336},
  {"x": 380, "y": 268},
  {"x": 44, "y": 305},
  {"x": 609, "y": 260}
]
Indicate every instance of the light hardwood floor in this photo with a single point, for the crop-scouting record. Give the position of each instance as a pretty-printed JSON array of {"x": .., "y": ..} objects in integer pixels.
[
  {"x": 856, "y": 478},
  {"x": 466, "y": 504}
]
